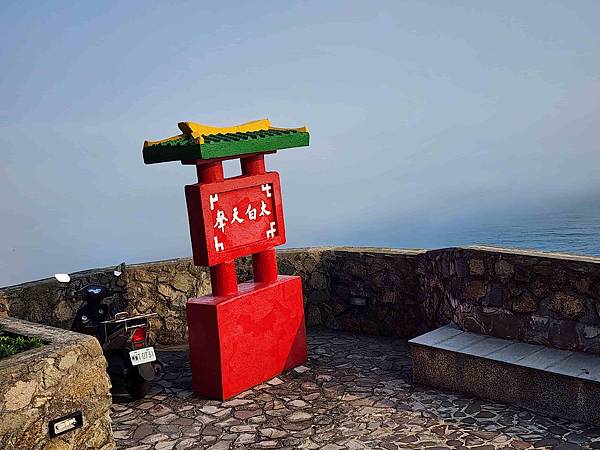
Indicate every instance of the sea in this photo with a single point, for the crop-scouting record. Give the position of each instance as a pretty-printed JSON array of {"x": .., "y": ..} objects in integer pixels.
[
  {"x": 560, "y": 231},
  {"x": 571, "y": 229}
]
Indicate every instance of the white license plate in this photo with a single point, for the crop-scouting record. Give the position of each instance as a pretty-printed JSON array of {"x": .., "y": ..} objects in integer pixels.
[{"x": 141, "y": 356}]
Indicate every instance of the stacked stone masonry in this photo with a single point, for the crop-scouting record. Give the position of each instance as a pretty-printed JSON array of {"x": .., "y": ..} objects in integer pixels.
[
  {"x": 535, "y": 297},
  {"x": 65, "y": 376},
  {"x": 530, "y": 296}
]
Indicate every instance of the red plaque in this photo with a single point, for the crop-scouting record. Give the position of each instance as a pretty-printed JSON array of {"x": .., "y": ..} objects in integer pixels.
[{"x": 235, "y": 217}]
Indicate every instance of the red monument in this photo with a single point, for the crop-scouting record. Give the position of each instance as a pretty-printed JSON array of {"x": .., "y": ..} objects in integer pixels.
[{"x": 244, "y": 334}]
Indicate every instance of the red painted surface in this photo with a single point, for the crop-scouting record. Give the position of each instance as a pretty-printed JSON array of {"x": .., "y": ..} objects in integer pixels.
[
  {"x": 235, "y": 217},
  {"x": 239, "y": 341},
  {"x": 264, "y": 266},
  {"x": 210, "y": 172},
  {"x": 222, "y": 276},
  {"x": 223, "y": 279},
  {"x": 253, "y": 165},
  {"x": 264, "y": 263}
]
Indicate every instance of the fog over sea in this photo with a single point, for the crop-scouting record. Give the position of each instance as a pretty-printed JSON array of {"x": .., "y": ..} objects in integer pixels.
[
  {"x": 573, "y": 229},
  {"x": 568, "y": 231}
]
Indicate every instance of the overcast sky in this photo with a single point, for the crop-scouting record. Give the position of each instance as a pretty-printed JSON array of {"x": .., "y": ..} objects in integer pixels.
[{"x": 420, "y": 113}]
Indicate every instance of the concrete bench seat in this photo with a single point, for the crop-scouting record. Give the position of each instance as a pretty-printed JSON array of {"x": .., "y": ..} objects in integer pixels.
[{"x": 559, "y": 382}]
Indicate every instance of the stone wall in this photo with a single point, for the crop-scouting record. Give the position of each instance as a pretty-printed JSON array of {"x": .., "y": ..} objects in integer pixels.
[
  {"x": 162, "y": 287},
  {"x": 3, "y": 305},
  {"x": 536, "y": 297},
  {"x": 530, "y": 296},
  {"x": 385, "y": 280},
  {"x": 65, "y": 376},
  {"x": 45, "y": 301}
]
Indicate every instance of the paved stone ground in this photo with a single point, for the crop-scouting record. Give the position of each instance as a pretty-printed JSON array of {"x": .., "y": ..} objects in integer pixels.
[{"x": 354, "y": 392}]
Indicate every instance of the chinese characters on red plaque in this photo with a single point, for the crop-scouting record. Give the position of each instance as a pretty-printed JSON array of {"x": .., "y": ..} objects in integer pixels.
[{"x": 235, "y": 217}]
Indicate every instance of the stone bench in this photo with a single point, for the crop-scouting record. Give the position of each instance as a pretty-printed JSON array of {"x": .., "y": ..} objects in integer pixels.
[{"x": 559, "y": 382}]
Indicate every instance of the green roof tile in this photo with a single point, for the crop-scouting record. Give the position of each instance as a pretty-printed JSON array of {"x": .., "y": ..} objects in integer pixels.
[{"x": 222, "y": 145}]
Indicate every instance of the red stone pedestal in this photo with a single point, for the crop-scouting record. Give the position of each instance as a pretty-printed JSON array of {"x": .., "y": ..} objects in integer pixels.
[{"x": 239, "y": 341}]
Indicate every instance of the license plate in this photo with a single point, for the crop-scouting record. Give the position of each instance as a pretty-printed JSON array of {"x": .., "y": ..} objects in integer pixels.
[{"x": 141, "y": 356}]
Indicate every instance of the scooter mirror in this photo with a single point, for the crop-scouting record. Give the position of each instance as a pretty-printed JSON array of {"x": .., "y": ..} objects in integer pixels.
[
  {"x": 62, "y": 277},
  {"x": 119, "y": 269}
]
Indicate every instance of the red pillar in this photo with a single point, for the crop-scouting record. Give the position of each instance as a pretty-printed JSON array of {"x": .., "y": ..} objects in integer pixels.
[
  {"x": 264, "y": 264},
  {"x": 223, "y": 277}
]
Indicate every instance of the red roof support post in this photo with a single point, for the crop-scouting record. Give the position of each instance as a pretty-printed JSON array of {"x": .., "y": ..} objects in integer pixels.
[
  {"x": 223, "y": 278},
  {"x": 264, "y": 264}
]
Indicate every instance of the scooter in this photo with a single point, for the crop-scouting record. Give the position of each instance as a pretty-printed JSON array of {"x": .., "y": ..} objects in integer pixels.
[{"x": 131, "y": 360}]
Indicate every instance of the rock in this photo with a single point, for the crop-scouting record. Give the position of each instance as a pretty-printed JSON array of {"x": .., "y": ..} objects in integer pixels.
[
  {"x": 160, "y": 410},
  {"x": 474, "y": 290},
  {"x": 476, "y": 267},
  {"x": 266, "y": 444},
  {"x": 236, "y": 402},
  {"x": 243, "y": 428},
  {"x": 495, "y": 296},
  {"x": 3, "y": 305},
  {"x": 63, "y": 311},
  {"x": 590, "y": 332},
  {"x": 299, "y": 416},
  {"x": 243, "y": 415},
  {"x": 583, "y": 285},
  {"x": 298, "y": 403},
  {"x": 524, "y": 303},
  {"x": 57, "y": 444},
  {"x": 165, "y": 289},
  {"x": 51, "y": 375},
  {"x": 19, "y": 395},
  {"x": 222, "y": 445},
  {"x": 313, "y": 315},
  {"x": 186, "y": 443},
  {"x": 184, "y": 282},
  {"x": 67, "y": 361},
  {"x": 165, "y": 445},
  {"x": 566, "y": 305},
  {"x": 318, "y": 281},
  {"x": 272, "y": 433},
  {"x": 154, "y": 438},
  {"x": 503, "y": 268}
]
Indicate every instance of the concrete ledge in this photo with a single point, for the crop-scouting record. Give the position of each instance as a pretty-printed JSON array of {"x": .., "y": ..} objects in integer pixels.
[
  {"x": 65, "y": 376},
  {"x": 563, "y": 383}
]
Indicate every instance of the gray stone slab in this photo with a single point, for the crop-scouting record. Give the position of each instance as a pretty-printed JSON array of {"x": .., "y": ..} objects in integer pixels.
[
  {"x": 460, "y": 341},
  {"x": 562, "y": 362},
  {"x": 514, "y": 352},
  {"x": 578, "y": 365},
  {"x": 436, "y": 336},
  {"x": 544, "y": 358},
  {"x": 486, "y": 346}
]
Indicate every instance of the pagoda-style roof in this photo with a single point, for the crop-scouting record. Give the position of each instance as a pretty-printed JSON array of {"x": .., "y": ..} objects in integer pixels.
[{"x": 199, "y": 141}]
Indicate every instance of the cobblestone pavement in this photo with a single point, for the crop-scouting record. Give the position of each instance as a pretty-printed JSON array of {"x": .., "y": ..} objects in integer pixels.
[{"x": 354, "y": 392}]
